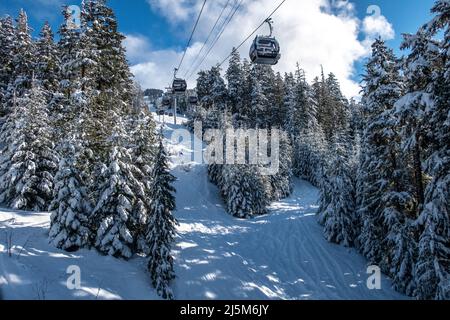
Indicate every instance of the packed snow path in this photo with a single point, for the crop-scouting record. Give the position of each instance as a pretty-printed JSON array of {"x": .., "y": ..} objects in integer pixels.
[{"x": 282, "y": 255}]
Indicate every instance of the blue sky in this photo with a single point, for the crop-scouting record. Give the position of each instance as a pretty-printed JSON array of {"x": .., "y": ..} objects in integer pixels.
[{"x": 158, "y": 30}]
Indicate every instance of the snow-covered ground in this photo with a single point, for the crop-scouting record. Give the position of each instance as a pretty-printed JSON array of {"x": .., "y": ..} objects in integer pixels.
[
  {"x": 36, "y": 270},
  {"x": 282, "y": 255}
]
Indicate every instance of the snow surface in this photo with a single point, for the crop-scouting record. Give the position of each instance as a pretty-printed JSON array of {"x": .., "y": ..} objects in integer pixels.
[
  {"x": 36, "y": 270},
  {"x": 282, "y": 255}
]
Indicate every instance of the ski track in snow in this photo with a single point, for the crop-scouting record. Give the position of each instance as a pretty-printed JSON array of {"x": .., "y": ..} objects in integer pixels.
[{"x": 282, "y": 255}]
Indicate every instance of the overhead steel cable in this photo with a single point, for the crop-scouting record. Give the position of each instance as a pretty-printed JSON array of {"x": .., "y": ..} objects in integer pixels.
[
  {"x": 207, "y": 39},
  {"x": 224, "y": 25},
  {"x": 192, "y": 35},
  {"x": 251, "y": 34},
  {"x": 219, "y": 35}
]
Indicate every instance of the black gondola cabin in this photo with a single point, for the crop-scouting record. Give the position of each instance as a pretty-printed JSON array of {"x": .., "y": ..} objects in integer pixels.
[
  {"x": 265, "y": 50},
  {"x": 179, "y": 85}
]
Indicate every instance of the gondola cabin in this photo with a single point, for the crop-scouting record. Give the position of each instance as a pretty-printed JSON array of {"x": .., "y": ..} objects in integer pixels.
[
  {"x": 166, "y": 101},
  {"x": 193, "y": 100},
  {"x": 179, "y": 85},
  {"x": 265, "y": 50}
]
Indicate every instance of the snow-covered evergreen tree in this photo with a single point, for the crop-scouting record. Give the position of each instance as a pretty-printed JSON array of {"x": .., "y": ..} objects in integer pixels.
[
  {"x": 419, "y": 68},
  {"x": 111, "y": 68},
  {"x": 281, "y": 183},
  {"x": 245, "y": 110},
  {"x": 143, "y": 152},
  {"x": 304, "y": 130},
  {"x": 337, "y": 214},
  {"x": 113, "y": 214},
  {"x": 28, "y": 160},
  {"x": 71, "y": 206},
  {"x": 46, "y": 70},
  {"x": 7, "y": 42},
  {"x": 244, "y": 191},
  {"x": 379, "y": 162},
  {"x": 259, "y": 102},
  {"x": 332, "y": 107},
  {"x": 433, "y": 263},
  {"x": 235, "y": 78},
  {"x": 69, "y": 48},
  {"x": 24, "y": 55},
  {"x": 161, "y": 226},
  {"x": 356, "y": 122},
  {"x": 280, "y": 109}
]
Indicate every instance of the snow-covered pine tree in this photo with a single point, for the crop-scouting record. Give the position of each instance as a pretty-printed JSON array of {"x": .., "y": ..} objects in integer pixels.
[
  {"x": 379, "y": 165},
  {"x": 324, "y": 108},
  {"x": 203, "y": 88},
  {"x": 21, "y": 49},
  {"x": 138, "y": 101},
  {"x": 433, "y": 263},
  {"x": 215, "y": 173},
  {"x": 213, "y": 97},
  {"x": 69, "y": 48},
  {"x": 279, "y": 110},
  {"x": 218, "y": 89},
  {"x": 143, "y": 152},
  {"x": 161, "y": 226},
  {"x": 282, "y": 182},
  {"x": 332, "y": 107},
  {"x": 267, "y": 79},
  {"x": 356, "y": 122},
  {"x": 288, "y": 100},
  {"x": 71, "y": 206},
  {"x": 419, "y": 69},
  {"x": 235, "y": 78},
  {"x": 400, "y": 243},
  {"x": 7, "y": 41},
  {"x": 47, "y": 72},
  {"x": 337, "y": 214},
  {"x": 300, "y": 108},
  {"x": 245, "y": 111},
  {"x": 24, "y": 57},
  {"x": 113, "y": 214},
  {"x": 28, "y": 161},
  {"x": 244, "y": 191},
  {"x": 304, "y": 130},
  {"x": 259, "y": 102},
  {"x": 262, "y": 96},
  {"x": 259, "y": 106},
  {"x": 111, "y": 68},
  {"x": 47, "y": 63},
  {"x": 410, "y": 111}
]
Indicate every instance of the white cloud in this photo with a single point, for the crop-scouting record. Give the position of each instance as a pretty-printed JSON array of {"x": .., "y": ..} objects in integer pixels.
[
  {"x": 138, "y": 47},
  {"x": 312, "y": 32},
  {"x": 175, "y": 10},
  {"x": 378, "y": 26}
]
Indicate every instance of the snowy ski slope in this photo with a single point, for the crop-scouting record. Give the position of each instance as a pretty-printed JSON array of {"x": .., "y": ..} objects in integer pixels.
[{"x": 282, "y": 255}]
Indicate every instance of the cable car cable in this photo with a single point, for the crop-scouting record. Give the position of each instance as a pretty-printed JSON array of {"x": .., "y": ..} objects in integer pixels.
[
  {"x": 246, "y": 39},
  {"x": 207, "y": 39},
  {"x": 222, "y": 28},
  {"x": 192, "y": 34},
  {"x": 230, "y": 17}
]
